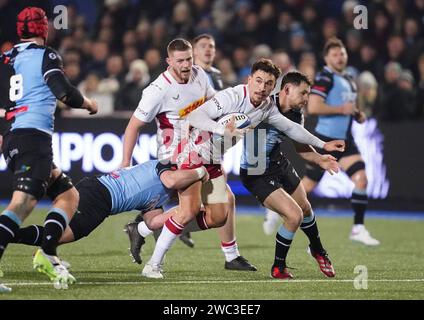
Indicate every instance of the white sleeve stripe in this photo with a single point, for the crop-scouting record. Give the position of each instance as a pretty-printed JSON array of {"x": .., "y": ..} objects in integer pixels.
[
  {"x": 322, "y": 94},
  {"x": 50, "y": 71}
]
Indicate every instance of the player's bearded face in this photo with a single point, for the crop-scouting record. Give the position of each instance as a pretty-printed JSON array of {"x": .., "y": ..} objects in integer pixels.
[
  {"x": 181, "y": 63},
  {"x": 336, "y": 58},
  {"x": 298, "y": 95},
  {"x": 260, "y": 86}
]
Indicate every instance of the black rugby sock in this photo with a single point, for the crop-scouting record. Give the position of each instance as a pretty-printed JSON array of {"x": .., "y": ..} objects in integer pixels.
[
  {"x": 54, "y": 226},
  {"x": 359, "y": 203},
  {"x": 310, "y": 228},
  {"x": 8, "y": 230},
  {"x": 31, "y": 235}
]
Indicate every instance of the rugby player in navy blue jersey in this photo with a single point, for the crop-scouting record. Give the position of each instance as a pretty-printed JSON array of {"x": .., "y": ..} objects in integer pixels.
[
  {"x": 333, "y": 100},
  {"x": 278, "y": 188},
  {"x": 32, "y": 78}
]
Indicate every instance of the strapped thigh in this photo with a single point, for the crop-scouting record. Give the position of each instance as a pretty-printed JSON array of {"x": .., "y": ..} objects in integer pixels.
[
  {"x": 355, "y": 167},
  {"x": 62, "y": 184}
]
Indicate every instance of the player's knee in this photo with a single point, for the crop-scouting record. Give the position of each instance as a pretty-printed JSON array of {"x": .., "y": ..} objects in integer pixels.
[
  {"x": 216, "y": 216},
  {"x": 69, "y": 198},
  {"x": 60, "y": 186},
  {"x": 34, "y": 187},
  {"x": 151, "y": 223},
  {"x": 361, "y": 183},
  {"x": 217, "y": 221},
  {"x": 231, "y": 198},
  {"x": 295, "y": 217},
  {"x": 356, "y": 172},
  {"x": 306, "y": 208}
]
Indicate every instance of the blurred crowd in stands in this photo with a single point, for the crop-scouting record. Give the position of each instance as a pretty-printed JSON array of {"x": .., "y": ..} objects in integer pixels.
[{"x": 112, "y": 49}]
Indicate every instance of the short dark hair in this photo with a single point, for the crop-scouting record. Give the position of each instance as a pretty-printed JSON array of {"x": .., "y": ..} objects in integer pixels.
[
  {"x": 203, "y": 36},
  {"x": 266, "y": 65},
  {"x": 296, "y": 78},
  {"x": 178, "y": 44},
  {"x": 331, "y": 43}
]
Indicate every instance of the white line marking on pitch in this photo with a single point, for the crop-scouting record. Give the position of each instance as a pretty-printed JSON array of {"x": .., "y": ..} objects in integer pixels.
[{"x": 106, "y": 283}]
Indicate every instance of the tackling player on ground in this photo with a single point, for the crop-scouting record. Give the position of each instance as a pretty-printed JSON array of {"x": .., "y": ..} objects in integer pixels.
[{"x": 120, "y": 191}]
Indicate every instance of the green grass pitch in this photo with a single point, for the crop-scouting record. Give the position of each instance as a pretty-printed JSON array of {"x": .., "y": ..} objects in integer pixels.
[{"x": 104, "y": 269}]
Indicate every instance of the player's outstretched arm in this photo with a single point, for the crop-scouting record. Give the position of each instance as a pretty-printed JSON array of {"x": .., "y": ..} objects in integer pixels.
[
  {"x": 329, "y": 163},
  {"x": 130, "y": 139},
  {"x": 64, "y": 91},
  {"x": 335, "y": 145},
  {"x": 90, "y": 105},
  {"x": 293, "y": 130},
  {"x": 299, "y": 134},
  {"x": 181, "y": 179},
  {"x": 308, "y": 153},
  {"x": 59, "y": 84}
]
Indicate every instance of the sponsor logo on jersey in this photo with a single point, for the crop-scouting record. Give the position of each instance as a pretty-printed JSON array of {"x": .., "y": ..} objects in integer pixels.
[
  {"x": 218, "y": 106},
  {"x": 156, "y": 86},
  {"x": 191, "y": 107},
  {"x": 23, "y": 169},
  {"x": 144, "y": 113}
]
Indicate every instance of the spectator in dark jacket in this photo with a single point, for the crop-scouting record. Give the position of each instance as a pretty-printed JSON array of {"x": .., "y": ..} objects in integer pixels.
[{"x": 136, "y": 80}]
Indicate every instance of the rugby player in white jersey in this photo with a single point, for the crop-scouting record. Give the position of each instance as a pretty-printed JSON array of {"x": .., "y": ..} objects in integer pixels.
[
  {"x": 204, "y": 55},
  {"x": 251, "y": 99},
  {"x": 175, "y": 93}
]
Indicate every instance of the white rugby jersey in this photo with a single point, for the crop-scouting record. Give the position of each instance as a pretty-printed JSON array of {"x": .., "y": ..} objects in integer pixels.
[
  {"x": 236, "y": 99},
  {"x": 169, "y": 102}
]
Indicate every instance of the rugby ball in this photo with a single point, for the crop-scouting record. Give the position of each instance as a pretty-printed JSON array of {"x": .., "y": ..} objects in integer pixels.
[
  {"x": 241, "y": 119},
  {"x": 222, "y": 144}
]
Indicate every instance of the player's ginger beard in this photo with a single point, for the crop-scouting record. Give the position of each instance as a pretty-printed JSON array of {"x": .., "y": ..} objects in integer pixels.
[
  {"x": 178, "y": 62},
  {"x": 177, "y": 78}
]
